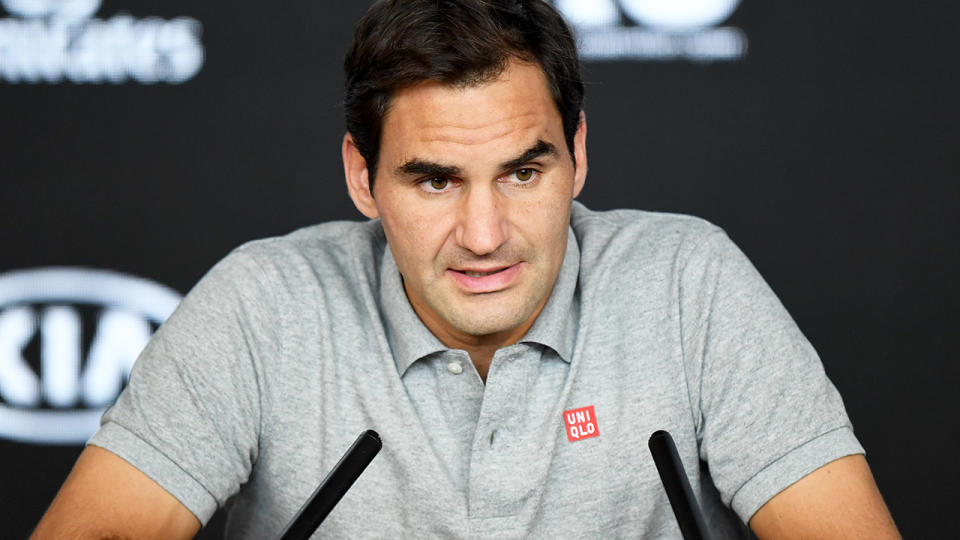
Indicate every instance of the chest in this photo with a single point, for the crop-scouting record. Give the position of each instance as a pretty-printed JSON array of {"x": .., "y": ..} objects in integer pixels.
[{"x": 545, "y": 448}]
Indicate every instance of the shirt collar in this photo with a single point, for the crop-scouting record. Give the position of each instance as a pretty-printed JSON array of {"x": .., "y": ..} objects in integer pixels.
[
  {"x": 556, "y": 327},
  {"x": 410, "y": 340}
]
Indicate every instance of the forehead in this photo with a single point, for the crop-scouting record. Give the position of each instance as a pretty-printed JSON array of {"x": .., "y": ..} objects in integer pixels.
[{"x": 514, "y": 108}]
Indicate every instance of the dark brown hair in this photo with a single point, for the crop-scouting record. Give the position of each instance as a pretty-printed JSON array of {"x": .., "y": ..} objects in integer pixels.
[{"x": 399, "y": 43}]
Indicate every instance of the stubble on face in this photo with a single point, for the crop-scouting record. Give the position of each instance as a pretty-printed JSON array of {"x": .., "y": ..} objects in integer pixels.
[
  {"x": 445, "y": 243},
  {"x": 512, "y": 307}
]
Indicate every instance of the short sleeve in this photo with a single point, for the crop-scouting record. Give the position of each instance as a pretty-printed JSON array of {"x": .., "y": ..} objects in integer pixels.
[
  {"x": 190, "y": 416},
  {"x": 768, "y": 413}
]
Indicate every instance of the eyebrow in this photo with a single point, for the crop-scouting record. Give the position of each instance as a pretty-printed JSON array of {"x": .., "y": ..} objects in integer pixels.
[
  {"x": 419, "y": 167},
  {"x": 541, "y": 148}
]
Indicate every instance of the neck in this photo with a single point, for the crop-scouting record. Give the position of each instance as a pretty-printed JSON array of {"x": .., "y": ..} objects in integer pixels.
[
  {"x": 482, "y": 348},
  {"x": 482, "y": 358}
]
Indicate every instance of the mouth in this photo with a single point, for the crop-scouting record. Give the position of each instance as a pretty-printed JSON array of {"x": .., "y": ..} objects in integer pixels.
[
  {"x": 474, "y": 273},
  {"x": 484, "y": 280}
]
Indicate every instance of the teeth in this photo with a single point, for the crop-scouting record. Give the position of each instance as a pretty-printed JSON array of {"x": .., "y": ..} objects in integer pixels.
[{"x": 478, "y": 274}]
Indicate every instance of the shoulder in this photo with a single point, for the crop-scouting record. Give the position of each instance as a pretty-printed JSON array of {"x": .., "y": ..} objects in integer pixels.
[
  {"x": 307, "y": 265},
  {"x": 321, "y": 243},
  {"x": 640, "y": 239},
  {"x": 326, "y": 251}
]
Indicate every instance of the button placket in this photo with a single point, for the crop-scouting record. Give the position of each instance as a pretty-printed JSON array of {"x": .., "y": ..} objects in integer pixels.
[
  {"x": 456, "y": 411},
  {"x": 496, "y": 489}
]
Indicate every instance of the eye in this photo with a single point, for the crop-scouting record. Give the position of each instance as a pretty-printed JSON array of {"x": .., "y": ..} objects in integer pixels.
[
  {"x": 437, "y": 184},
  {"x": 523, "y": 176}
]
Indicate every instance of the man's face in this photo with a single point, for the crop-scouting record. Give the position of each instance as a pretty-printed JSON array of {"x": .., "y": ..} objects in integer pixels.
[{"x": 474, "y": 187}]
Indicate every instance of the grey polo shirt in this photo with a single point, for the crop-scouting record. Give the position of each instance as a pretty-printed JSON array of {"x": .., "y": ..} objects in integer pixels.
[{"x": 290, "y": 347}]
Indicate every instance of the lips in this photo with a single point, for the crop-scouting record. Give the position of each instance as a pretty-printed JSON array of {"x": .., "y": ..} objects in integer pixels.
[
  {"x": 484, "y": 280},
  {"x": 480, "y": 274}
]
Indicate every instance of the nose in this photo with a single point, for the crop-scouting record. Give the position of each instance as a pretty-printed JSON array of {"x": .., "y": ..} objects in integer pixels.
[{"x": 481, "y": 221}]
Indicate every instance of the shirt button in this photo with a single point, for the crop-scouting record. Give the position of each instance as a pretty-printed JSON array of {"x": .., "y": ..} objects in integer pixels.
[{"x": 455, "y": 367}]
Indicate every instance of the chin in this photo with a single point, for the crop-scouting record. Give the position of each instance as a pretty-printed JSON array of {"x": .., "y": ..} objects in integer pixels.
[{"x": 479, "y": 323}]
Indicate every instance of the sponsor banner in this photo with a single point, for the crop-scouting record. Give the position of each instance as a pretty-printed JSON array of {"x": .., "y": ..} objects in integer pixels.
[
  {"x": 52, "y": 41},
  {"x": 655, "y": 30},
  {"x": 68, "y": 340}
]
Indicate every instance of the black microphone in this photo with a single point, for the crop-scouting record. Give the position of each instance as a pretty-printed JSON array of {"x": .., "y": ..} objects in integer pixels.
[
  {"x": 333, "y": 487},
  {"x": 677, "y": 486}
]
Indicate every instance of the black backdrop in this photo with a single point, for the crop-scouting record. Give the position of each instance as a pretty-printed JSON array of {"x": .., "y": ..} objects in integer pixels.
[{"x": 830, "y": 152}]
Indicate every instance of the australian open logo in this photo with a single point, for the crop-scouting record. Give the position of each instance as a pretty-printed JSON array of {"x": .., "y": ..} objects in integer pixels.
[
  {"x": 655, "y": 29},
  {"x": 68, "y": 340},
  {"x": 55, "y": 40}
]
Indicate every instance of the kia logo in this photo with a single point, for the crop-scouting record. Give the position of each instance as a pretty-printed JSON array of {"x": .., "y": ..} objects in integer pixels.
[{"x": 51, "y": 390}]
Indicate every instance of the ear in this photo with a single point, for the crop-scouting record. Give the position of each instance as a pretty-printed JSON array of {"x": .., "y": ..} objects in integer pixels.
[
  {"x": 580, "y": 153},
  {"x": 358, "y": 178}
]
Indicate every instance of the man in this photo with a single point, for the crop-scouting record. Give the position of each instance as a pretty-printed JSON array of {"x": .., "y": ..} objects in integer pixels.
[{"x": 469, "y": 322}]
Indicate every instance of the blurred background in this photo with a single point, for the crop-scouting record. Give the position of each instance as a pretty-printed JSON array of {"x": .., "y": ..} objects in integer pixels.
[{"x": 141, "y": 141}]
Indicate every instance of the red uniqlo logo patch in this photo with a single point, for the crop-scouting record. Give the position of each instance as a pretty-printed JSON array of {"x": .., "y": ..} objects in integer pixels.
[{"x": 581, "y": 423}]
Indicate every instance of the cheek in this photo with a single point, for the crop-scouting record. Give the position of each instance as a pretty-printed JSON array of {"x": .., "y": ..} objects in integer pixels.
[
  {"x": 548, "y": 216},
  {"x": 545, "y": 225},
  {"x": 413, "y": 237}
]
